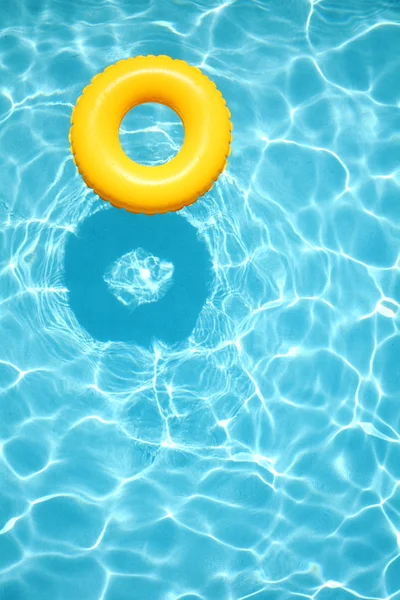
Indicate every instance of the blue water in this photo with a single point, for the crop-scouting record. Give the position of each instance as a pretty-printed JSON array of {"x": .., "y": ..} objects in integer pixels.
[{"x": 206, "y": 405}]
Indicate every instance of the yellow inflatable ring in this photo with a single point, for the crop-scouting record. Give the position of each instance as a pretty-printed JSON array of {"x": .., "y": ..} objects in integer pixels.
[{"x": 96, "y": 148}]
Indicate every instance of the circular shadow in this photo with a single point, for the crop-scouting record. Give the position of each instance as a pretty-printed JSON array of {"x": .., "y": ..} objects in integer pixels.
[{"x": 111, "y": 233}]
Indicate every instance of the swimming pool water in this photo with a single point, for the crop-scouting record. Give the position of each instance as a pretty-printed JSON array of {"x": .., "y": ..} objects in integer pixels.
[{"x": 204, "y": 405}]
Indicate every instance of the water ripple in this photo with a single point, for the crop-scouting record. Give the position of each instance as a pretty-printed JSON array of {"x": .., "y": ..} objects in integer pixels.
[{"x": 204, "y": 405}]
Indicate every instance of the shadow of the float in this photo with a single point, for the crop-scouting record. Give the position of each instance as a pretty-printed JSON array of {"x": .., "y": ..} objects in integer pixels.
[{"x": 105, "y": 237}]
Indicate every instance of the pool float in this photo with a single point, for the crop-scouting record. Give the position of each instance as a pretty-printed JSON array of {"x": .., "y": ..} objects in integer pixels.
[{"x": 96, "y": 148}]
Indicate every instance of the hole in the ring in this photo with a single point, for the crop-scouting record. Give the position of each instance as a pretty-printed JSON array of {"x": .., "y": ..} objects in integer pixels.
[{"x": 151, "y": 134}]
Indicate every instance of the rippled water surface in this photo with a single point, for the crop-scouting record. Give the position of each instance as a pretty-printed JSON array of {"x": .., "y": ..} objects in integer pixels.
[{"x": 205, "y": 405}]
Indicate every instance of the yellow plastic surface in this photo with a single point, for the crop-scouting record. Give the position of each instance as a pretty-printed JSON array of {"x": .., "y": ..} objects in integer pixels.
[{"x": 95, "y": 144}]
